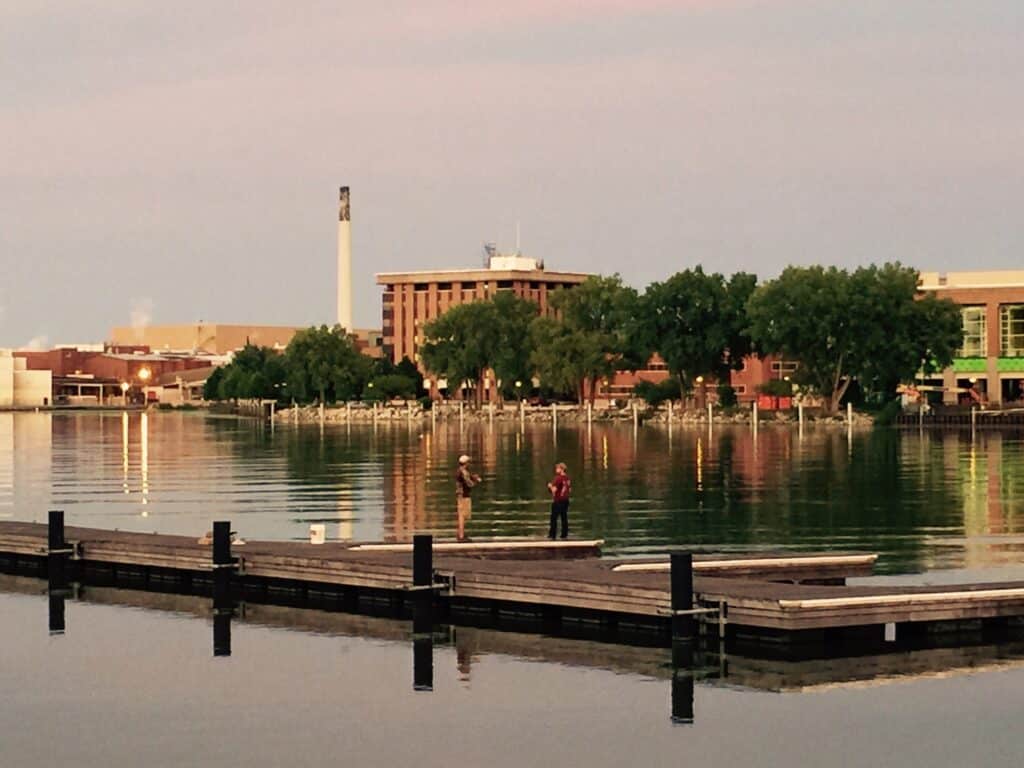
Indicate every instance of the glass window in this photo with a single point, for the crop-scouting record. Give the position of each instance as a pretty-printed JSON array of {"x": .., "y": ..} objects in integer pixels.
[
  {"x": 975, "y": 343},
  {"x": 1011, "y": 330}
]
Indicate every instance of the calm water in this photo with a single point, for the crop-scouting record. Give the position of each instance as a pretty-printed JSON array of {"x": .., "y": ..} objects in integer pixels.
[
  {"x": 133, "y": 681},
  {"x": 140, "y": 687},
  {"x": 931, "y": 501}
]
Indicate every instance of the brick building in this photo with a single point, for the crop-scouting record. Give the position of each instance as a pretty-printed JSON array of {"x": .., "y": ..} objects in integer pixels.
[
  {"x": 991, "y": 360},
  {"x": 412, "y": 299}
]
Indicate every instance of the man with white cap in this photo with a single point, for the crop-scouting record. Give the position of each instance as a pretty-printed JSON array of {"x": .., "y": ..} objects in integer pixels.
[{"x": 464, "y": 482}]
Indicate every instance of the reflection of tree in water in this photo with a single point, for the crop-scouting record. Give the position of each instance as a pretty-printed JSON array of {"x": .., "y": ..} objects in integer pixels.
[{"x": 891, "y": 492}]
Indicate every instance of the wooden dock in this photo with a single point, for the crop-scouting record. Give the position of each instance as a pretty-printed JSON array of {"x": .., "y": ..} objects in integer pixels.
[{"x": 777, "y": 598}]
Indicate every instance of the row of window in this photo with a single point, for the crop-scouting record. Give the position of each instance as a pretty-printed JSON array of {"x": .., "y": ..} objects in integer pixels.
[
  {"x": 975, "y": 327},
  {"x": 467, "y": 285}
]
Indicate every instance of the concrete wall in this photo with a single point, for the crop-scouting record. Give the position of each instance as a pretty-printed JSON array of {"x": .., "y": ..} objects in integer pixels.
[
  {"x": 6, "y": 379},
  {"x": 212, "y": 338},
  {"x": 33, "y": 388},
  {"x": 20, "y": 387}
]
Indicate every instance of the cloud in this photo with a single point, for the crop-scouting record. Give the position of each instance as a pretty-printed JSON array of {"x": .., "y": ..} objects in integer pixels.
[
  {"x": 141, "y": 315},
  {"x": 37, "y": 343}
]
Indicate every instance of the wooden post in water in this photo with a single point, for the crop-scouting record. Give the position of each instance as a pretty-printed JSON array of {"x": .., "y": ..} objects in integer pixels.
[
  {"x": 57, "y": 555},
  {"x": 422, "y": 581},
  {"x": 800, "y": 417},
  {"x": 348, "y": 412},
  {"x": 460, "y": 414},
  {"x": 974, "y": 420},
  {"x": 681, "y": 579},
  {"x": 321, "y": 414},
  {"x": 57, "y": 551},
  {"x": 554, "y": 416},
  {"x": 433, "y": 414},
  {"x": 753, "y": 420},
  {"x": 223, "y": 607},
  {"x": 670, "y": 413},
  {"x": 636, "y": 418},
  {"x": 590, "y": 414},
  {"x": 522, "y": 415},
  {"x": 490, "y": 414},
  {"x": 709, "y": 419}
]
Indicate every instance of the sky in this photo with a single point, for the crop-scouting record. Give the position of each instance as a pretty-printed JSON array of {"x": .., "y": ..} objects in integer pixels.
[{"x": 179, "y": 162}]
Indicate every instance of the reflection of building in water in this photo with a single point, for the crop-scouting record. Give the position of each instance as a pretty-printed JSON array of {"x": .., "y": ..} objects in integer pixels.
[
  {"x": 32, "y": 447},
  {"x": 6, "y": 464},
  {"x": 405, "y": 508},
  {"x": 988, "y": 484}
]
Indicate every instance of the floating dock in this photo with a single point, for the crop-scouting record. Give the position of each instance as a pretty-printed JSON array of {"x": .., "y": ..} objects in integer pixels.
[{"x": 763, "y": 599}]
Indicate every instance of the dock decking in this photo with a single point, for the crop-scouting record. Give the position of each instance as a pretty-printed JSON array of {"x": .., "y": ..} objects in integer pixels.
[{"x": 772, "y": 595}]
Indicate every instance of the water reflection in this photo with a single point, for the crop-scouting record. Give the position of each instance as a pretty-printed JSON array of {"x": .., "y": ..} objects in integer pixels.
[
  {"x": 686, "y": 671},
  {"x": 923, "y": 500}
]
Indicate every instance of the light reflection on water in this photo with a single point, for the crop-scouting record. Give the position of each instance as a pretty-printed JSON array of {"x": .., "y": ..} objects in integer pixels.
[
  {"x": 924, "y": 501},
  {"x": 140, "y": 687}
]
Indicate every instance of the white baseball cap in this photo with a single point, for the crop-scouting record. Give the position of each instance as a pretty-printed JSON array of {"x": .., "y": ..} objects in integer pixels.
[{"x": 463, "y": 459}]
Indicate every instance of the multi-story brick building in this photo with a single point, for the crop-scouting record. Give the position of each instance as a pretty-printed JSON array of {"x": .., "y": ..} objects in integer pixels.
[
  {"x": 412, "y": 299},
  {"x": 991, "y": 360}
]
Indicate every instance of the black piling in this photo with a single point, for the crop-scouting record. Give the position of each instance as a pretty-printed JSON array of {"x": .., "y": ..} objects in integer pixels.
[
  {"x": 683, "y": 624},
  {"x": 423, "y": 582},
  {"x": 57, "y": 551},
  {"x": 57, "y": 555},
  {"x": 223, "y": 605}
]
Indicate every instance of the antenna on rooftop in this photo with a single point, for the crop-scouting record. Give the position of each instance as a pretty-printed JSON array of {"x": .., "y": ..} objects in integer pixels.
[{"x": 490, "y": 251}]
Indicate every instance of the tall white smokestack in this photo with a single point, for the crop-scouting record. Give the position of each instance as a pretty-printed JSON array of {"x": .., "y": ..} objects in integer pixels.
[{"x": 344, "y": 261}]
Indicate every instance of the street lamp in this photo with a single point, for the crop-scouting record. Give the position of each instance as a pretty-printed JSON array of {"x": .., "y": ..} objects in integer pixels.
[{"x": 144, "y": 375}]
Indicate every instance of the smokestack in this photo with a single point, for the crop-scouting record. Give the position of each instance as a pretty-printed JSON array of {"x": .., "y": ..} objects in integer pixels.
[{"x": 344, "y": 261}]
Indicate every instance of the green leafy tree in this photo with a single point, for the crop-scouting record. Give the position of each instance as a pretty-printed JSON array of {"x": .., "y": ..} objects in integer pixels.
[
  {"x": 593, "y": 334},
  {"x": 211, "y": 388},
  {"x": 389, "y": 387},
  {"x": 254, "y": 372},
  {"x": 868, "y": 325},
  {"x": 697, "y": 323},
  {"x": 469, "y": 339},
  {"x": 324, "y": 363}
]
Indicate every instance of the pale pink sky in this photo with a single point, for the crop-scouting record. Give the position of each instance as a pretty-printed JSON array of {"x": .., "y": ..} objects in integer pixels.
[{"x": 186, "y": 156}]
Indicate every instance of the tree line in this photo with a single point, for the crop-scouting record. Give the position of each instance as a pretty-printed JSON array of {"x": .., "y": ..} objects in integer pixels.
[
  {"x": 318, "y": 365},
  {"x": 868, "y": 326}
]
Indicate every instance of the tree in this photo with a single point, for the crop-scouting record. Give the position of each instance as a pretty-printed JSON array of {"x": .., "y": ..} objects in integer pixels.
[
  {"x": 470, "y": 339},
  {"x": 697, "y": 323},
  {"x": 592, "y": 335},
  {"x": 211, "y": 388},
  {"x": 326, "y": 363},
  {"x": 254, "y": 372},
  {"x": 390, "y": 386},
  {"x": 869, "y": 325}
]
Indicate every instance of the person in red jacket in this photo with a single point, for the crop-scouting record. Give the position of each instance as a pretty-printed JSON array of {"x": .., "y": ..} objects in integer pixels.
[{"x": 560, "y": 487}]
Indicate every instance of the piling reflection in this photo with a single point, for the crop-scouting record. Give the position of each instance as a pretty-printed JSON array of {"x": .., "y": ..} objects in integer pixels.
[
  {"x": 423, "y": 663},
  {"x": 685, "y": 670}
]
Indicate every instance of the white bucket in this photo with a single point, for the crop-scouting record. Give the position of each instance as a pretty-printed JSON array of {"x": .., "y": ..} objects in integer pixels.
[{"x": 317, "y": 533}]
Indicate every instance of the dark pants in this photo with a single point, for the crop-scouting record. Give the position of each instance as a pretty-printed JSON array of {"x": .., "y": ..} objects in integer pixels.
[{"x": 559, "y": 509}]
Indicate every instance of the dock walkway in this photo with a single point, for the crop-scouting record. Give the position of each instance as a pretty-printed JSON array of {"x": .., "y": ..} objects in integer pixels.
[{"x": 771, "y": 595}]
